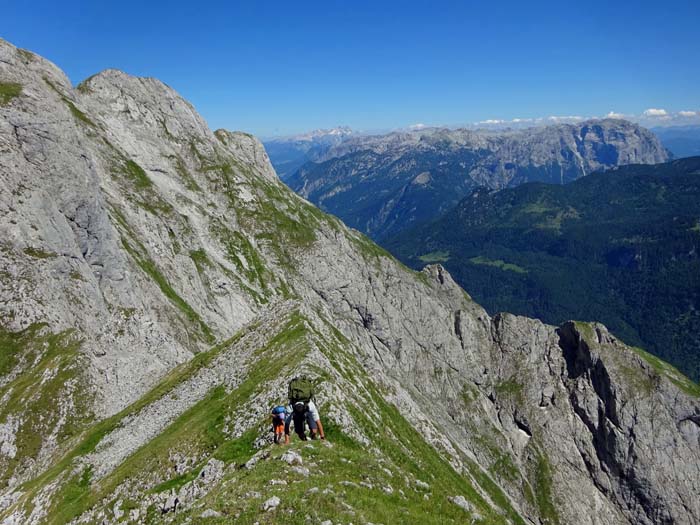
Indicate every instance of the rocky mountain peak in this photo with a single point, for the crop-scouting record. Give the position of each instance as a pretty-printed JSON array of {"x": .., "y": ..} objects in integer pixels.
[
  {"x": 330, "y": 134},
  {"x": 19, "y": 61},
  {"x": 249, "y": 148},
  {"x": 144, "y": 105}
]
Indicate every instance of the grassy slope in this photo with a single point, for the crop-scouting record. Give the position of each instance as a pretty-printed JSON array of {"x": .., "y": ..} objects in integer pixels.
[
  {"x": 352, "y": 481},
  {"x": 42, "y": 389},
  {"x": 357, "y": 476}
]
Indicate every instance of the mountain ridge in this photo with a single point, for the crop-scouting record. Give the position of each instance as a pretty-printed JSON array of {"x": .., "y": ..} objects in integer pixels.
[{"x": 384, "y": 184}]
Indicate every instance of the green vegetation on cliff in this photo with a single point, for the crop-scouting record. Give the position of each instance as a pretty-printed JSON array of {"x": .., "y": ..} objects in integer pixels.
[
  {"x": 620, "y": 247},
  {"x": 42, "y": 390},
  {"x": 8, "y": 91}
]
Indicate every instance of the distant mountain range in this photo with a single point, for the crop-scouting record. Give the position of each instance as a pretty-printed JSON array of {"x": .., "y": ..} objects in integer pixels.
[
  {"x": 621, "y": 246},
  {"x": 288, "y": 154},
  {"x": 386, "y": 183},
  {"x": 682, "y": 141}
]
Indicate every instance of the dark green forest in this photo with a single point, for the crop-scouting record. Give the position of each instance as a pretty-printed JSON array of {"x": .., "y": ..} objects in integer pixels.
[{"x": 619, "y": 247}]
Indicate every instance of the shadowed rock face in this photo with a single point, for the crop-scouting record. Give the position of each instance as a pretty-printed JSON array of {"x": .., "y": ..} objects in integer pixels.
[
  {"x": 384, "y": 184},
  {"x": 159, "y": 287}
]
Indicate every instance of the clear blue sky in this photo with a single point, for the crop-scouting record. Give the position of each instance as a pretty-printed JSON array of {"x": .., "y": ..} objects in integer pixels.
[{"x": 283, "y": 66}]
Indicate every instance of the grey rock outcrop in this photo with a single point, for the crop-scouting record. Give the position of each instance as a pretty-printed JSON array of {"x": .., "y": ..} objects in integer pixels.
[{"x": 172, "y": 273}]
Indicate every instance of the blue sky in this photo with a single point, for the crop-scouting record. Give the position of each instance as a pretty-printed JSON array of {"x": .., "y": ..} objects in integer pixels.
[{"x": 280, "y": 67}]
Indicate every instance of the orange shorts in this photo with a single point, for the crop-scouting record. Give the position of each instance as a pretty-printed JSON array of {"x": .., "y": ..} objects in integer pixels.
[{"x": 278, "y": 427}]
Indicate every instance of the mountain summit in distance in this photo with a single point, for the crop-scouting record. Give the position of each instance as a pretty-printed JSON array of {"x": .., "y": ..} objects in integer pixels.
[{"x": 383, "y": 184}]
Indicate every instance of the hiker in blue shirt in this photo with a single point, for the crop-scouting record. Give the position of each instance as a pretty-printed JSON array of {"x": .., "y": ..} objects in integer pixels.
[{"x": 279, "y": 418}]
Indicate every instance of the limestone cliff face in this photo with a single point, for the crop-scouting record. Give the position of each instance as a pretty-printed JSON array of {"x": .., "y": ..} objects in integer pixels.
[{"x": 159, "y": 286}]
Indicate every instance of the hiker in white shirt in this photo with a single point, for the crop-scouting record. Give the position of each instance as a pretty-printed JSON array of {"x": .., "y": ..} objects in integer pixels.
[{"x": 302, "y": 414}]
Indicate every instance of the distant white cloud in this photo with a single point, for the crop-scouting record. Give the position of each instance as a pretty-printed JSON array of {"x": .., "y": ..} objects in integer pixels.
[
  {"x": 652, "y": 117},
  {"x": 417, "y": 126},
  {"x": 520, "y": 123},
  {"x": 653, "y": 112},
  {"x": 614, "y": 114},
  {"x": 570, "y": 118}
]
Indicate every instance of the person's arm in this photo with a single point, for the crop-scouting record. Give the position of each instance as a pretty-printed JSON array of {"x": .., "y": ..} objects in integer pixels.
[
  {"x": 287, "y": 421},
  {"x": 320, "y": 429}
]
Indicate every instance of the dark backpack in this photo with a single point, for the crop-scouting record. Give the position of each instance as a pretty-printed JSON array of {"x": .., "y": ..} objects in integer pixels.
[{"x": 301, "y": 389}]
